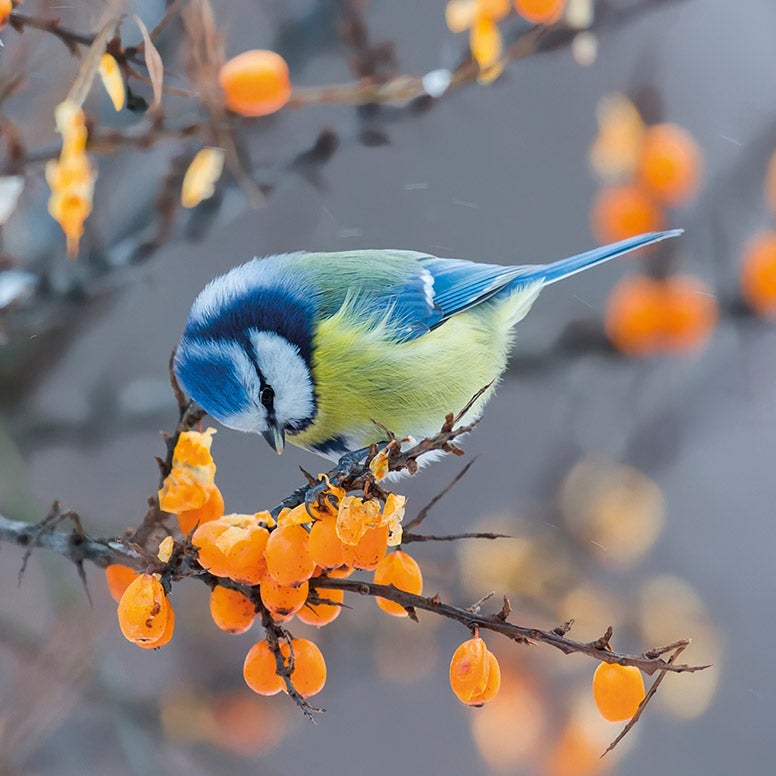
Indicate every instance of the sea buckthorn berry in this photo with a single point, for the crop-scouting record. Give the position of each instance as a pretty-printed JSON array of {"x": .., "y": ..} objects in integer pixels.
[
  {"x": 233, "y": 546},
  {"x": 370, "y": 549},
  {"x": 6, "y": 6},
  {"x": 618, "y": 691},
  {"x": 183, "y": 490},
  {"x": 623, "y": 211},
  {"x": 282, "y": 599},
  {"x": 355, "y": 517},
  {"x": 402, "y": 571},
  {"x": 255, "y": 83},
  {"x": 193, "y": 450},
  {"x": 475, "y": 676},
  {"x": 758, "y": 277},
  {"x": 166, "y": 634},
  {"x": 690, "y": 312},
  {"x": 119, "y": 578},
  {"x": 485, "y": 42},
  {"x": 287, "y": 555},
  {"x": 322, "y": 614},
  {"x": 212, "y": 509},
  {"x": 231, "y": 610},
  {"x": 540, "y": 11},
  {"x": 341, "y": 572},
  {"x": 324, "y": 545},
  {"x": 309, "y": 674},
  {"x": 671, "y": 163},
  {"x": 260, "y": 670},
  {"x": 634, "y": 315},
  {"x": 143, "y": 610}
]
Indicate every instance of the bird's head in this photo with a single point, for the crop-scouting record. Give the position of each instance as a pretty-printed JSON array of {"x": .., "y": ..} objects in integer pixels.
[{"x": 245, "y": 354}]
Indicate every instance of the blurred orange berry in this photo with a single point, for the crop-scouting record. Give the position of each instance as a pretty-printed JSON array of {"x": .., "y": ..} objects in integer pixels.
[
  {"x": 233, "y": 546},
  {"x": 758, "y": 276},
  {"x": 575, "y": 753},
  {"x": 260, "y": 670},
  {"x": 475, "y": 676},
  {"x": 617, "y": 690},
  {"x": 231, "y": 610},
  {"x": 212, "y": 509},
  {"x": 671, "y": 163},
  {"x": 540, "y": 11},
  {"x": 144, "y": 610},
  {"x": 690, "y": 312},
  {"x": 324, "y": 545},
  {"x": 282, "y": 599},
  {"x": 485, "y": 42},
  {"x": 288, "y": 555},
  {"x": 255, "y": 83},
  {"x": 309, "y": 674},
  {"x": 402, "y": 571},
  {"x": 110, "y": 74},
  {"x": 370, "y": 549},
  {"x": 623, "y": 211},
  {"x": 322, "y": 614},
  {"x": 634, "y": 315},
  {"x": 616, "y": 151},
  {"x": 119, "y": 578},
  {"x": 6, "y": 6}
]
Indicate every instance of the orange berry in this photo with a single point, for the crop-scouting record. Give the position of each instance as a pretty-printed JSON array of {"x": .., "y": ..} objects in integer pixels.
[
  {"x": 618, "y": 691},
  {"x": 255, "y": 83},
  {"x": 6, "y": 6},
  {"x": 324, "y": 545},
  {"x": 623, "y": 211},
  {"x": 260, "y": 670},
  {"x": 322, "y": 614},
  {"x": 287, "y": 555},
  {"x": 231, "y": 610},
  {"x": 282, "y": 599},
  {"x": 540, "y": 11},
  {"x": 634, "y": 315},
  {"x": 475, "y": 676},
  {"x": 370, "y": 550},
  {"x": 402, "y": 571},
  {"x": 166, "y": 634},
  {"x": 758, "y": 277},
  {"x": 143, "y": 610},
  {"x": 690, "y": 312},
  {"x": 233, "y": 546},
  {"x": 309, "y": 674},
  {"x": 670, "y": 164},
  {"x": 119, "y": 578},
  {"x": 212, "y": 509}
]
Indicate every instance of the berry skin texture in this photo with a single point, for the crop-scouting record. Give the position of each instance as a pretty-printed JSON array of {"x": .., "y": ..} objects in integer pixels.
[
  {"x": 758, "y": 276},
  {"x": 671, "y": 163},
  {"x": 324, "y": 545},
  {"x": 231, "y": 610},
  {"x": 475, "y": 676},
  {"x": 402, "y": 571},
  {"x": 309, "y": 674},
  {"x": 370, "y": 550},
  {"x": 260, "y": 670},
  {"x": 540, "y": 11},
  {"x": 282, "y": 600},
  {"x": 166, "y": 634},
  {"x": 212, "y": 509},
  {"x": 288, "y": 557},
  {"x": 233, "y": 546},
  {"x": 119, "y": 578},
  {"x": 322, "y": 614},
  {"x": 143, "y": 611},
  {"x": 622, "y": 211},
  {"x": 255, "y": 83},
  {"x": 618, "y": 691}
]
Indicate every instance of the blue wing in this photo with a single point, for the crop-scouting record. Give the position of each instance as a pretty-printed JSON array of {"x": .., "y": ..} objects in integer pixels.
[{"x": 441, "y": 288}]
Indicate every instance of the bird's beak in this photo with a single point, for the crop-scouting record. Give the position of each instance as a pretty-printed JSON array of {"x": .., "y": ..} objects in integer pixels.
[{"x": 276, "y": 438}]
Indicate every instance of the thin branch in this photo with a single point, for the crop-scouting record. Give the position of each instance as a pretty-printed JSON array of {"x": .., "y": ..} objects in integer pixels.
[{"x": 407, "y": 538}]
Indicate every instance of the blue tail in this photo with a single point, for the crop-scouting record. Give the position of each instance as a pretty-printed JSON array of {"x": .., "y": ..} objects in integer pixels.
[{"x": 550, "y": 273}]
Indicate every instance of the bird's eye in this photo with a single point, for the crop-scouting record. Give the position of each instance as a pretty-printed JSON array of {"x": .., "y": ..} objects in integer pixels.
[{"x": 267, "y": 395}]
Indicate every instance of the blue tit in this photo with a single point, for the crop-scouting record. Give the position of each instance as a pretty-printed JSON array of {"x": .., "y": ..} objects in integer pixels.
[{"x": 314, "y": 347}]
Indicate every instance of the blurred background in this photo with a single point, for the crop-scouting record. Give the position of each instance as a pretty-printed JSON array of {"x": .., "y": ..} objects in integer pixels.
[{"x": 628, "y": 454}]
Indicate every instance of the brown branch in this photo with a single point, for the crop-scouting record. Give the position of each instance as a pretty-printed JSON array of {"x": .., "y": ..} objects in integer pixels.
[
  {"x": 407, "y": 538},
  {"x": 423, "y": 514}
]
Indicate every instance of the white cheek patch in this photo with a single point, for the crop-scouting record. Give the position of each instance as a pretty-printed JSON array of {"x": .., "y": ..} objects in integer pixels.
[{"x": 286, "y": 371}]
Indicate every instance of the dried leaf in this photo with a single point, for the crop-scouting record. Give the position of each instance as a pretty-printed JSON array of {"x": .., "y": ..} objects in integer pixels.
[
  {"x": 91, "y": 63},
  {"x": 154, "y": 64}
]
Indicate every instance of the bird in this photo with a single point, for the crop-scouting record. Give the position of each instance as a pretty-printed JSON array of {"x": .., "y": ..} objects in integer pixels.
[{"x": 317, "y": 349}]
